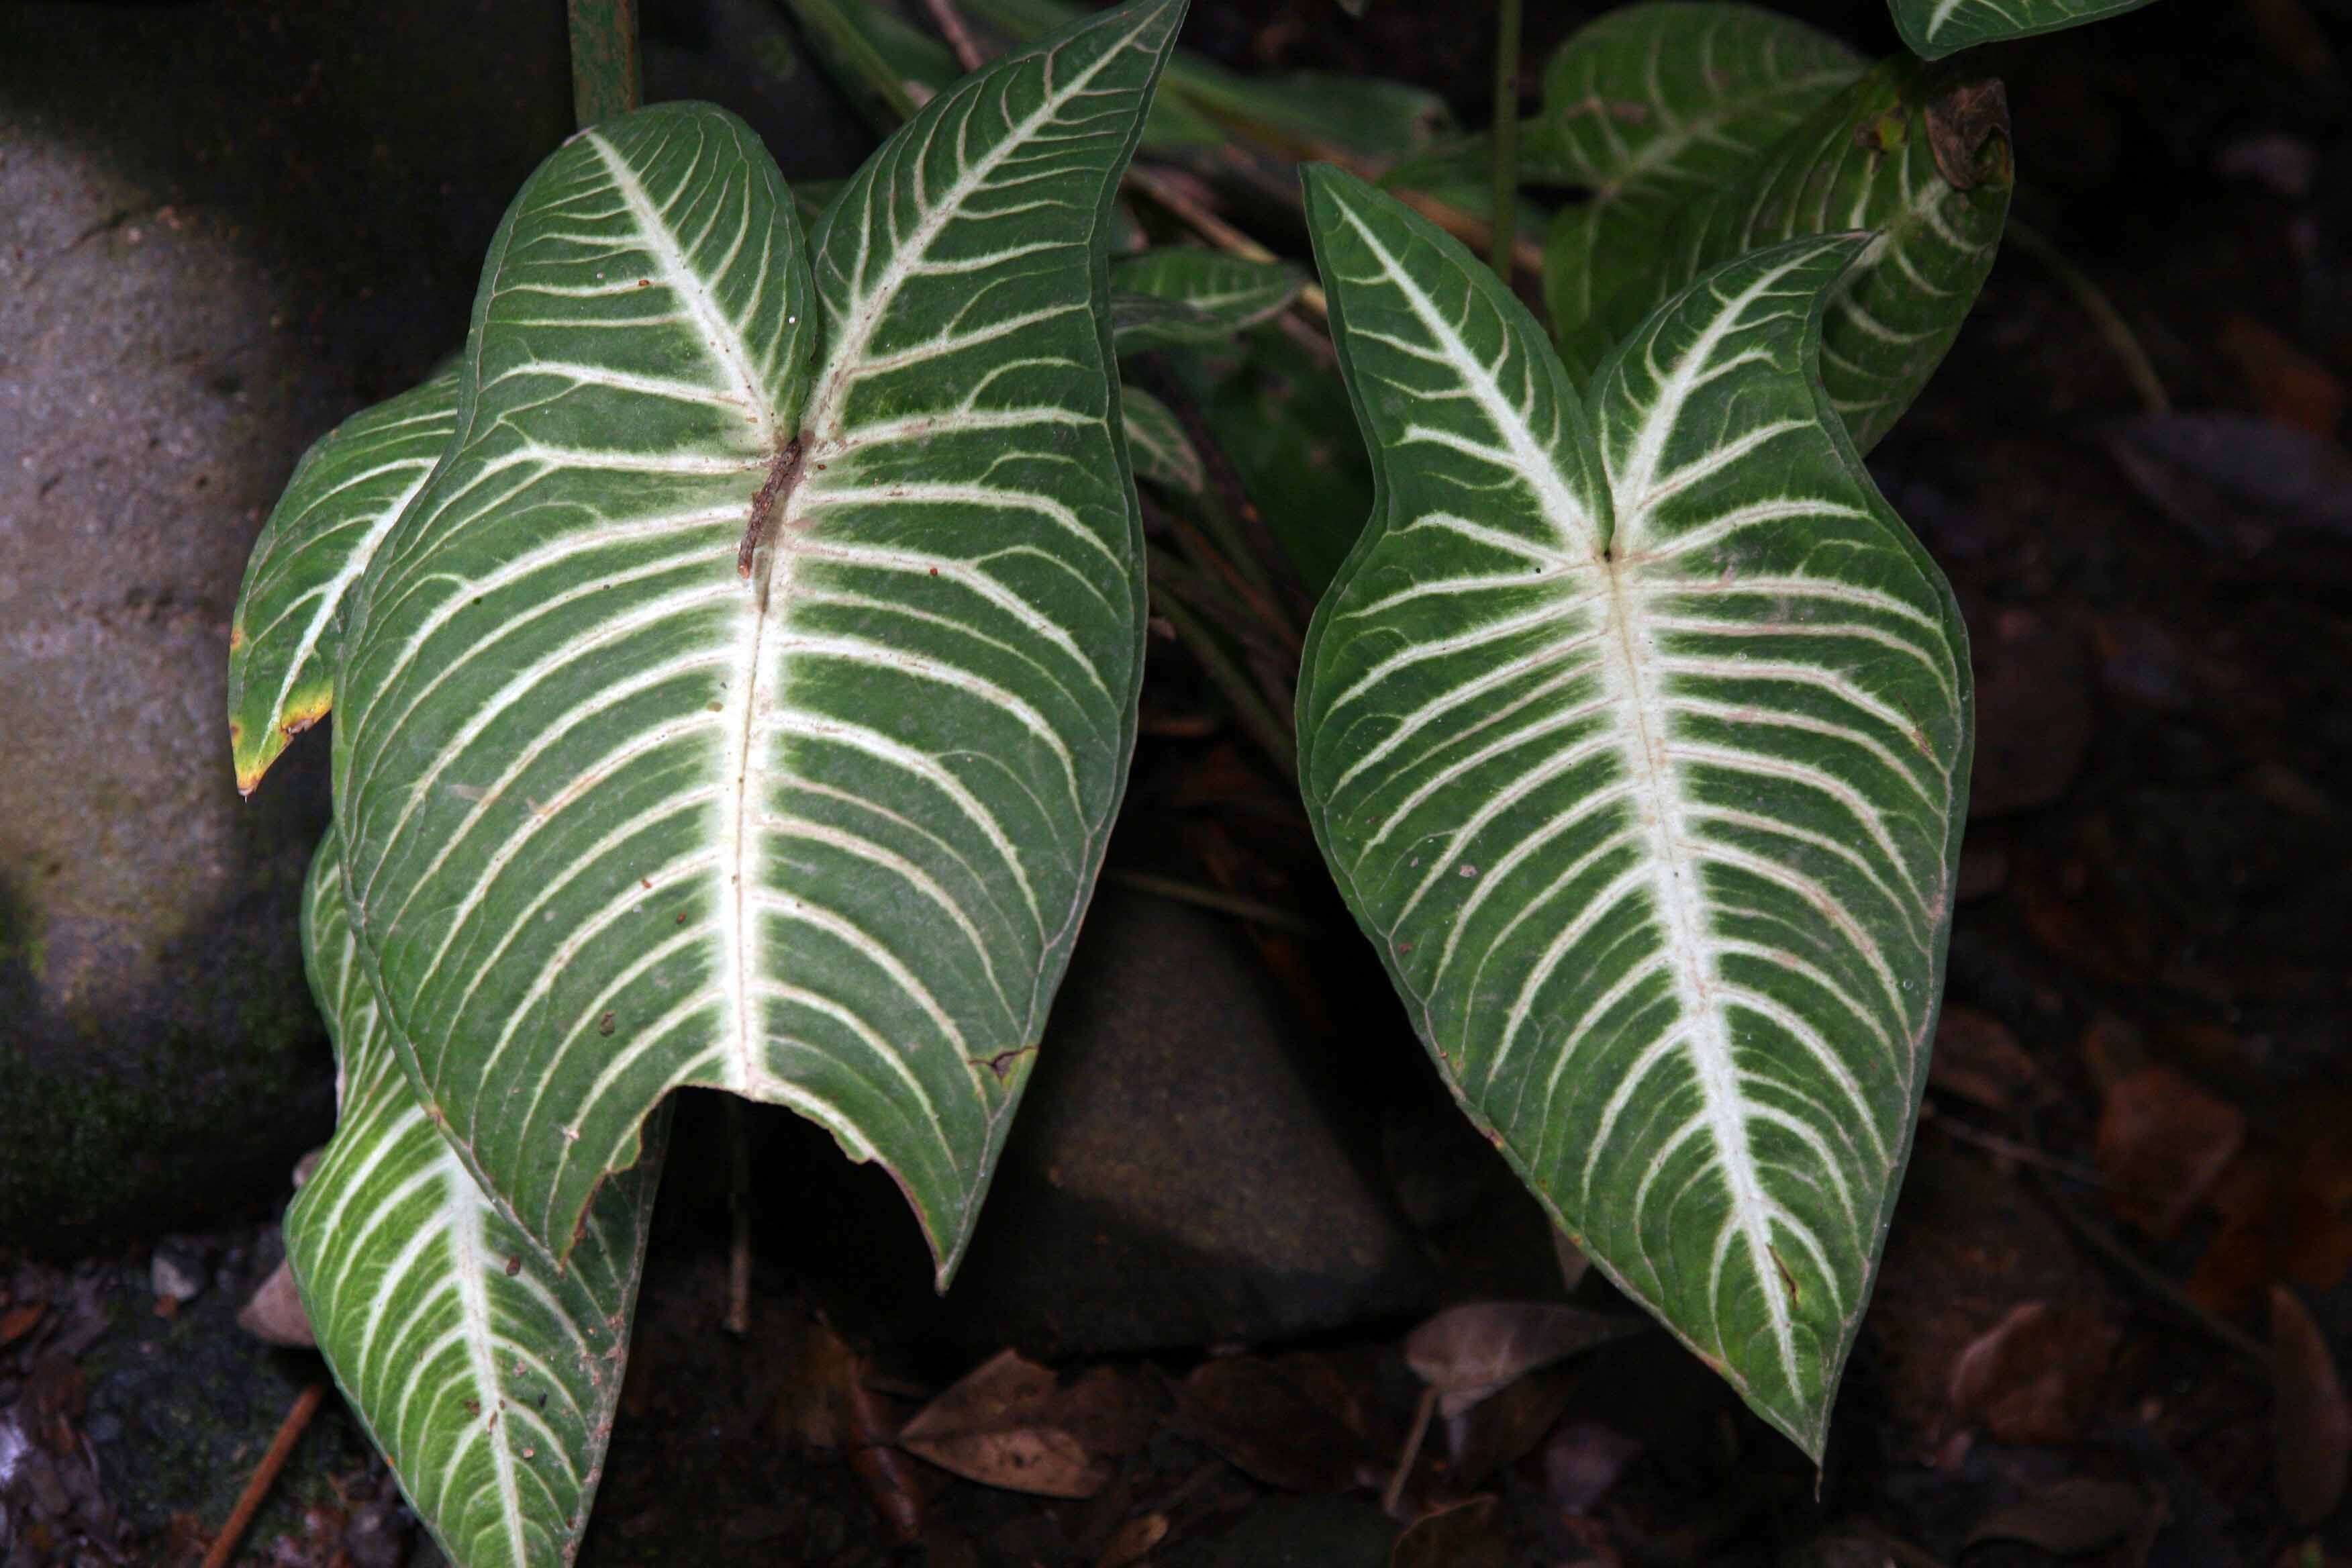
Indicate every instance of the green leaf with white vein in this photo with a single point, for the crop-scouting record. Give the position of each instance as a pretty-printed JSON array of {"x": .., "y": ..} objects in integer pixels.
[
  {"x": 1635, "y": 731},
  {"x": 1651, "y": 107},
  {"x": 344, "y": 496},
  {"x": 1163, "y": 455},
  {"x": 485, "y": 1376},
  {"x": 1934, "y": 28},
  {"x": 1231, "y": 291},
  {"x": 618, "y": 819},
  {"x": 1918, "y": 157}
]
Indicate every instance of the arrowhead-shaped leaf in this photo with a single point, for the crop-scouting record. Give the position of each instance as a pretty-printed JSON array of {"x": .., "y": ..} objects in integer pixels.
[
  {"x": 1636, "y": 732},
  {"x": 621, "y": 815},
  {"x": 487, "y": 1375},
  {"x": 346, "y": 495},
  {"x": 1651, "y": 107},
  {"x": 1934, "y": 28},
  {"x": 1919, "y": 159}
]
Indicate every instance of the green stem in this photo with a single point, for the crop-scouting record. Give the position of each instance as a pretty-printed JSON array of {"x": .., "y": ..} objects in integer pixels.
[
  {"x": 1506, "y": 136},
  {"x": 850, "y": 49},
  {"x": 2139, "y": 369},
  {"x": 604, "y": 79}
]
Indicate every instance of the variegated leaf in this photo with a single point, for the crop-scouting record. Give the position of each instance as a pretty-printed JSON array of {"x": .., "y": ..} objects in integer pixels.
[
  {"x": 622, "y": 814},
  {"x": 1919, "y": 159},
  {"x": 1142, "y": 322},
  {"x": 487, "y": 1375},
  {"x": 1365, "y": 115},
  {"x": 1156, "y": 442},
  {"x": 1934, "y": 28},
  {"x": 1229, "y": 290},
  {"x": 346, "y": 495},
  {"x": 1655, "y": 105},
  {"x": 1635, "y": 729}
]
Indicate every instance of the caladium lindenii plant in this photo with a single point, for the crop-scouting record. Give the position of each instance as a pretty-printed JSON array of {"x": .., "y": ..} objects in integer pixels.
[{"x": 735, "y": 658}]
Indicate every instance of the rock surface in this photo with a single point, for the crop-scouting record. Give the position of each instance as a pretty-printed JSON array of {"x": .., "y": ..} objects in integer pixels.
[
  {"x": 1186, "y": 1170},
  {"x": 221, "y": 230}
]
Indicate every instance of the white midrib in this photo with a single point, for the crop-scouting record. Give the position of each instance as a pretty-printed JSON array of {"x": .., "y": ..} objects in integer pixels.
[
  {"x": 741, "y": 859},
  {"x": 1658, "y": 795},
  {"x": 1628, "y": 660},
  {"x": 854, "y": 332},
  {"x": 470, "y": 1259}
]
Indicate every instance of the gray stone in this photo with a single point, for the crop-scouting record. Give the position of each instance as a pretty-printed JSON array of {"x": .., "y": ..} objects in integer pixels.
[
  {"x": 1187, "y": 1169},
  {"x": 221, "y": 230}
]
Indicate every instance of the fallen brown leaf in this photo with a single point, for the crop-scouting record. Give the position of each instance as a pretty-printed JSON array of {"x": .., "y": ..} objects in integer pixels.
[
  {"x": 1979, "y": 1060},
  {"x": 1470, "y": 1351},
  {"x": 1291, "y": 1422},
  {"x": 2034, "y": 714},
  {"x": 19, "y": 1321},
  {"x": 2315, "y": 1427},
  {"x": 1465, "y": 1535},
  {"x": 1495, "y": 1432},
  {"x": 1015, "y": 1424},
  {"x": 2034, "y": 1377},
  {"x": 2073, "y": 1516},
  {"x": 2288, "y": 385},
  {"x": 1583, "y": 1462},
  {"x": 1137, "y": 1537},
  {"x": 2162, "y": 1143}
]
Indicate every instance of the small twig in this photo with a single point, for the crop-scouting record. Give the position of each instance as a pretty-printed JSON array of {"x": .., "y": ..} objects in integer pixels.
[
  {"x": 1412, "y": 1442},
  {"x": 1472, "y": 230},
  {"x": 2232, "y": 1338},
  {"x": 265, "y": 1475},
  {"x": 1250, "y": 707},
  {"x": 1233, "y": 904},
  {"x": 2010, "y": 1148},
  {"x": 2139, "y": 369},
  {"x": 952, "y": 28},
  {"x": 1506, "y": 137},
  {"x": 739, "y": 1214},
  {"x": 1241, "y": 528},
  {"x": 1178, "y": 204}
]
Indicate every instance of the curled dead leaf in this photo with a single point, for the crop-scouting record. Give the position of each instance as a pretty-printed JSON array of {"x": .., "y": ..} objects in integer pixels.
[
  {"x": 1468, "y": 1352},
  {"x": 2163, "y": 1143},
  {"x": 2035, "y": 1376},
  {"x": 2076, "y": 1516},
  {"x": 2315, "y": 1427},
  {"x": 1465, "y": 1535},
  {"x": 1014, "y": 1424}
]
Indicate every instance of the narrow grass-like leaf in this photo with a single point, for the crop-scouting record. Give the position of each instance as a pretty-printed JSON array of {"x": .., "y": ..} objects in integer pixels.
[
  {"x": 1934, "y": 28},
  {"x": 346, "y": 495},
  {"x": 1651, "y": 107},
  {"x": 487, "y": 1375},
  {"x": 1917, "y": 158},
  {"x": 1636, "y": 732},
  {"x": 625, "y": 809},
  {"x": 1163, "y": 454}
]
